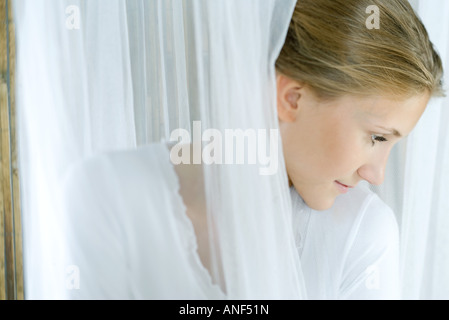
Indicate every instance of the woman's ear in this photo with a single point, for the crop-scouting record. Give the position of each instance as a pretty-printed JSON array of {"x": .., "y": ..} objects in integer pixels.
[{"x": 288, "y": 95}]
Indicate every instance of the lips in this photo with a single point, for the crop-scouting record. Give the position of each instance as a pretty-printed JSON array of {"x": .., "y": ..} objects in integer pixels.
[
  {"x": 344, "y": 185},
  {"x": 342, "y": 188}
]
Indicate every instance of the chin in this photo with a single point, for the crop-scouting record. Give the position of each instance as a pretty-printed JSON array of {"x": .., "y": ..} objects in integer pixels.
[
  {"x": 318, "y": 199},
  {"x": 318, "y": 202}
]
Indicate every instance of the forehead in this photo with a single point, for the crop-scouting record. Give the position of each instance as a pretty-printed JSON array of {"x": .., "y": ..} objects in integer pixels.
[
  {"x": 383, "y": 107},
  {"x": 401, "y": 114}
]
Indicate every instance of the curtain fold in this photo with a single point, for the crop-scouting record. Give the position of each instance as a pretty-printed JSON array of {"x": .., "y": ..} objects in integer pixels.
[
  {"x": 417, "y": 181},
  {"x": 425, "y": 245},
  {"x": 74, "y": 100},
  {"x": 126, "y": 75},
  {"x": 135, "y": 71}
]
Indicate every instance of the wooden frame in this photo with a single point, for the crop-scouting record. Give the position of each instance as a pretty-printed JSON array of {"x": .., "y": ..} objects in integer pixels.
[{"x": 11, "y": 261}]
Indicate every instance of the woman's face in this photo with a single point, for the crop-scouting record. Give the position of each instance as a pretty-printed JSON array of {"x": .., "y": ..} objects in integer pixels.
[{"x": 331, "y": 144}]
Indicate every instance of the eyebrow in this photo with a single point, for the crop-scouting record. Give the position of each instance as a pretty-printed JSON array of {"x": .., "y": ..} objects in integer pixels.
[{"x": 392, "y": 131}]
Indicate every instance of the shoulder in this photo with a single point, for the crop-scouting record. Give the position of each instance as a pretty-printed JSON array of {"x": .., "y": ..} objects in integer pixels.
[
  {"x": 107, "y": 183},
  {"x": 373, "y": 220},
  {"x": 96, "y": 166},
  {"x": 360, "y": 211},
  {"x": 103, "y": 172},
  {"x": 374, "y": 233},
  {"x": 362, "y": 225},
  {"x": 371, "y": 254}
]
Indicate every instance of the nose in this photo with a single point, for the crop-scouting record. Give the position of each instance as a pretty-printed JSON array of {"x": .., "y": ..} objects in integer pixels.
[{"x": 373, "y": 170}]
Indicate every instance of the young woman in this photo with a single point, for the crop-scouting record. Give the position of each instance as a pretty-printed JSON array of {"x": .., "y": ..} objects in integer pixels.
[{"x": 345, "y": 95}]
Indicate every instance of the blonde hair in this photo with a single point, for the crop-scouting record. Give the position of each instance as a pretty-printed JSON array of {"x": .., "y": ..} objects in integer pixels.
[{"x": 330, "y": 49}]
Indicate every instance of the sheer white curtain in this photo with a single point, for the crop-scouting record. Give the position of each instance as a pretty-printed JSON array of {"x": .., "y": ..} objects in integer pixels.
[
  {"x": 128, "y": 74},
  {"x": 74, "y": 100},
  {"x": 136, "y": 70},
  {"x": 417, "y": 181}
]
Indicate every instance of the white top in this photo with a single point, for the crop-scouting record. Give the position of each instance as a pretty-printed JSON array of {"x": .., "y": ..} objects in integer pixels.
[
  {"x": 127, "y": 246},
  {"x": 350, "y": 251},
  {"x": 131, "y": 247}
]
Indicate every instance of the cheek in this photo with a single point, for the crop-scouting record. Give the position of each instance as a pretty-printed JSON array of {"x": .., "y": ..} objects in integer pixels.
[
  {"x": 342, "y": 151},
  {"x": 322, "y": 153}
]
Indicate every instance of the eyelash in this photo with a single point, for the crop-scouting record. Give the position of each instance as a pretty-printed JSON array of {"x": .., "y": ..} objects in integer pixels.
[{"x": 375, "y": 139}]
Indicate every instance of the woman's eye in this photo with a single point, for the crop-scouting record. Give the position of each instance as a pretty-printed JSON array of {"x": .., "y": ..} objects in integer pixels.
[{"x": 375, "y": 139}]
